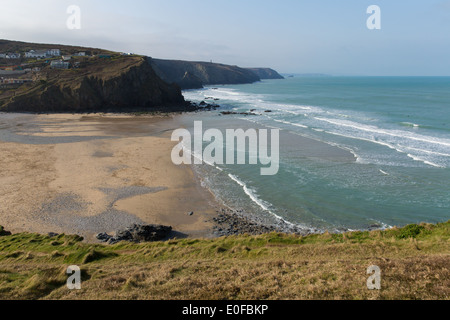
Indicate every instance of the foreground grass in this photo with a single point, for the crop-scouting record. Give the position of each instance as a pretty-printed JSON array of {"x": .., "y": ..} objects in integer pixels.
[{"x": 414, "y": 262}]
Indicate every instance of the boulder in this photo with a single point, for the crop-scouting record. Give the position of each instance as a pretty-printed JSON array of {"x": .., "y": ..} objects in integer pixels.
[
  {"x": 137, "y": 233},
  {"x": 3, "y": 232},
  {"x": 103, "y": 236}
]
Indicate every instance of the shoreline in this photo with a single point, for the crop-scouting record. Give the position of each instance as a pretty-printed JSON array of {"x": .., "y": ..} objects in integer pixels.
[
  {"x": 90, "y": 173},
  {"x": 97, "y": 173}
]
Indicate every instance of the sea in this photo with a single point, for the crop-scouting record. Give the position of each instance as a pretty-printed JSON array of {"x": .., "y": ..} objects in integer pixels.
[{"x": 356, "y": 153}]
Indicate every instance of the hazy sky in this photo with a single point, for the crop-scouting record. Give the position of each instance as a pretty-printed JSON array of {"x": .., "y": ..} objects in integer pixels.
[{"x": 320, "y": 36}]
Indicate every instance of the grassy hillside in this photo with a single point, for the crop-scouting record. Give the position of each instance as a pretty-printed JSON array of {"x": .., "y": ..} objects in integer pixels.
[
  {"x": 266, "y": 73},
  {"x": 192, "y": 75},
  {"x": 101, "y": 81},
  {"x": 414, "y": 261},
  {"x": 19, "y": 46}
]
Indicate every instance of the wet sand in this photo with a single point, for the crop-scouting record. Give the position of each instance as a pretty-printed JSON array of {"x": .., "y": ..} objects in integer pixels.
[{"x": 86, "y": 174}]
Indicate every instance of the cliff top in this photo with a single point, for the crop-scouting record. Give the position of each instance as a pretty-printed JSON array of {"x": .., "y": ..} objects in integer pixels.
[{"x": 277, "y": 266}]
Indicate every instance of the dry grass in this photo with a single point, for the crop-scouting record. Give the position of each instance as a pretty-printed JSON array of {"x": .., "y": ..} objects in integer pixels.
[{"x": 414, "y": 262}]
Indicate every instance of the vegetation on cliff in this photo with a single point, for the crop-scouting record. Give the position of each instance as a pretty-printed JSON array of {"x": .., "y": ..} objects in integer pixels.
[
  {"x": 413, "y": 260},
  {"x": 103, "y": 81},
  {"x": 266, "y": 73},
  {"x": 193, "y": 75}
]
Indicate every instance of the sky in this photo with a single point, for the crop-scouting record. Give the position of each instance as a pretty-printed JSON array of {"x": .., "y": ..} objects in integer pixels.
[{"x": 291, "y": 36}]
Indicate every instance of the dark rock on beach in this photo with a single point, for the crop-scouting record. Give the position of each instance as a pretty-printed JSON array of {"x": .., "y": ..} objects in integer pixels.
[
  {"x": 137, "y": 233},
  {"x": 226, "y": 113},
  {"x": 3, "y": 232},
  {"x": 236, "y": 222},
  {"x": 202, "y": 106},
  {"x": 230, "y": 222}
]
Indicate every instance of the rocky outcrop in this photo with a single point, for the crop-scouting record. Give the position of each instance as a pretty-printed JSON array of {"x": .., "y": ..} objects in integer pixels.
[
  {"x": 230, "y": 222},
  {"x": 3, "y": 232},
  {"x": 266, "y": 73},
  {"x": 137, "y": 233},
  {"x": 194, "y": 75},
  {"x": 105, "y": 86}
]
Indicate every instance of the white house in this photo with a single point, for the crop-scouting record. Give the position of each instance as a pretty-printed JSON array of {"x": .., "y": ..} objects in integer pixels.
[
  {"x": 10, "y": 55},
  {"x": 66, "y": 58},
  {"x": 36, "y": 54},
  {"x": 81, "y": 54},
  {"x": 59, "y": 64},
  {"x": 54, "y": 52}
]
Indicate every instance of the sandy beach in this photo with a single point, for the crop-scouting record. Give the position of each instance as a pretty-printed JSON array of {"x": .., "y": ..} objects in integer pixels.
[{"x": 85, "y": 174}]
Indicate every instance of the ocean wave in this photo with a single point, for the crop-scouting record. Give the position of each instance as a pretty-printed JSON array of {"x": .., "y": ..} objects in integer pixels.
[
  {"x": 427, "y": 149},
  {"x": 261, "y": 203},
  {"x": 393, "y": 133},
  {"x": 290, "y": 123},
  {"x": 410, "y": 124},
  {"x": 192, "y": 153},
  {"x": 415, "y": 158},
  {"x": 430, "y": 150}
]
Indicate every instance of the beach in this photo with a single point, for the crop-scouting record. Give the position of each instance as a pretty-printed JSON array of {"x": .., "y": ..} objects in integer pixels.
[{"x": 86, "y": 174}]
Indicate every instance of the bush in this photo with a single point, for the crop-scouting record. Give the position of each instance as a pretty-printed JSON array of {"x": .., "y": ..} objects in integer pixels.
[{"x": 410, "y": 231}]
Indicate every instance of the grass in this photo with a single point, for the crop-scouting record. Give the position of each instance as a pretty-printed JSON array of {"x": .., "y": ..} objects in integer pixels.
[
  {"x": 414, "y": 262},
  {"x": 102, "y": 69}
]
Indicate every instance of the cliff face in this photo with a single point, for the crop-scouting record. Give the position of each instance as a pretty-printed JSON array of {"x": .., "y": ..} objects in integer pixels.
[
  {"x": 266, "y": 73},
  {"x": 193, "y": 75},
  {"x": 122, "y": 84},
  {"x": 108, "y": 81}
]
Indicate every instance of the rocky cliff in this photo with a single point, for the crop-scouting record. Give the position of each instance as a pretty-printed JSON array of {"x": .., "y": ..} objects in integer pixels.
[
  {"x": 108, "y": 81},
  {"x": 266, "y": 73},
  {"x": 100, "y": 81},
  {"x": 193, "y": 75},
  {"x": 118, "y": 83}
]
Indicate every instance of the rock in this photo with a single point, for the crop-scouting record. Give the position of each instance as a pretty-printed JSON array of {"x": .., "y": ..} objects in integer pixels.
[
  {"x": 150, "y": 232},
  {"x": 113, "y": 240},
  {"x": 124, "y": 234},
  {"x": 191, "y": 213},
  {"x": 202, "y": 106},
  {"x": 225, "y": 113},
  {"x": 104, "y": 237},
  {"x": 230, "y": 222},
  {"x": 137, "y": 233},
  {"x": 3, "y": 232},
  {"x": 52, "y": 234},
  {"x": 106, "y": 86}
]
